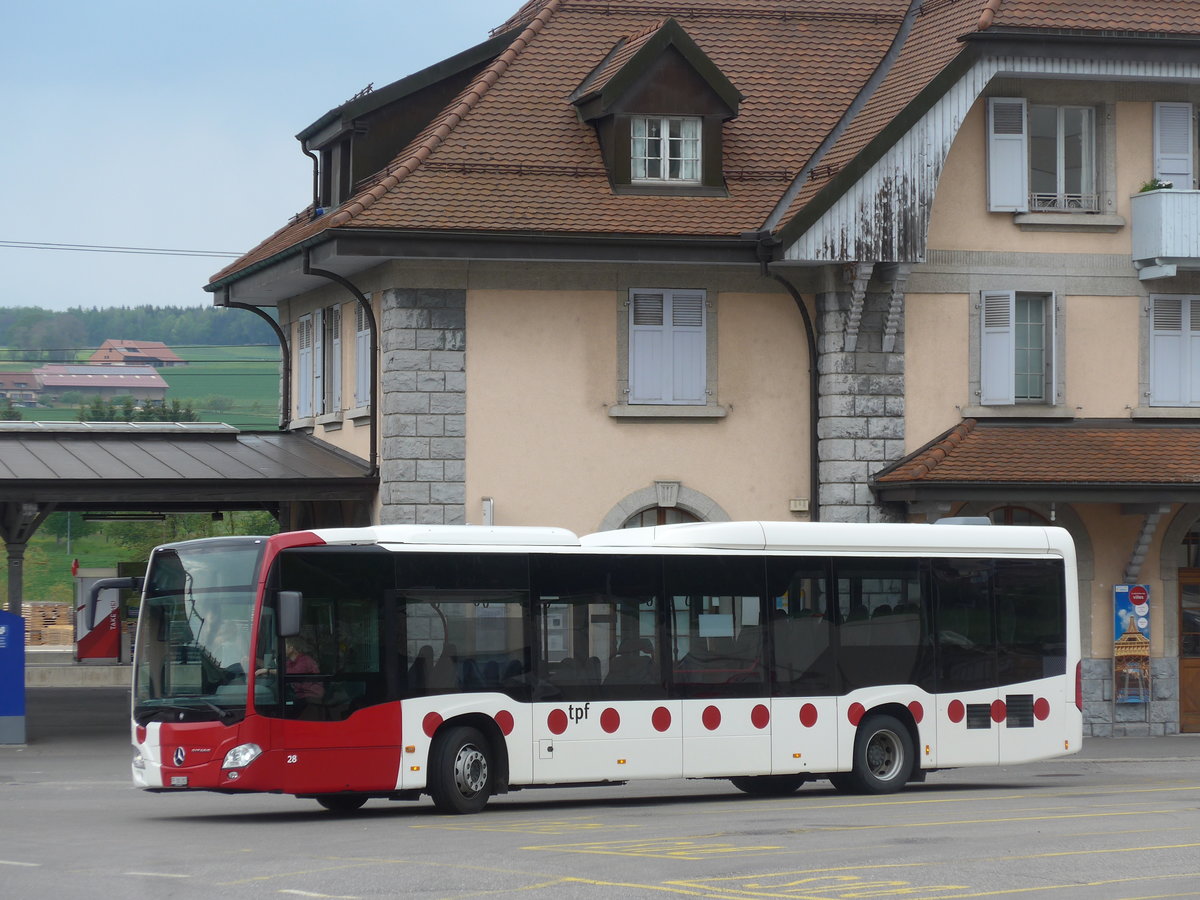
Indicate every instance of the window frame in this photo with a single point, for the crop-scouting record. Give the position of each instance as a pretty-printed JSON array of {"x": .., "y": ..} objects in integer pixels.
[
  {"x": 677, "y": 388},
  {"x": 997, "y": 356},
  {"x": 664, "y": 157},
  {"x": 1010, "y": 158}
]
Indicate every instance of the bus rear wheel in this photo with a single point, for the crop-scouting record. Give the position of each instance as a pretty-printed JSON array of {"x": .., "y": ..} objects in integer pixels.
[
  {"x": 342, "y": 803},
  {"x": 883, "y": 757},
  {"x": 461, "y": 772},
  {"x": 768, "y": 785}
]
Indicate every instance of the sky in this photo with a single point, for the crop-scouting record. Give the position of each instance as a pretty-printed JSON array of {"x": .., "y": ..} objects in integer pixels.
[{"x": 167, "y": 124}]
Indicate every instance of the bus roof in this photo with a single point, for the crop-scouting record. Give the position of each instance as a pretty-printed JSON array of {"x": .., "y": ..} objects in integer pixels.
[
  {"x": 810, "y": 537},
  {"x": 452, "y": 535},
  {"x": 844, "y": 537}
]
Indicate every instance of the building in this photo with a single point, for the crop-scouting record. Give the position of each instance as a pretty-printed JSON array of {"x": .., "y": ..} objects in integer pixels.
[
  {"x": 20, "y": 388},
  {"x": 135, "y": 353},
  {"x": 142, "y": 383},
  {"x": 642, "y": 262}
]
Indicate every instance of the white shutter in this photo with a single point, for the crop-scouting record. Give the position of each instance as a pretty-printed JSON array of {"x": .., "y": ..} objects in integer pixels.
[
  {"x": 1166, "y": 351},
  {"x": 648, "y": 373},
  {"x": 1173, "y": 144},
  {"x": 1051, "y": 349},
  {"x": 1192, "y": 350},
  {"x": 304, "y": 361},
  {"x": 362, "y": 358},
  {"x": 687, "y": 347},
  {"x": 318, "y": 363},
  {"x": 1008, "y": 155},
  {"x": 996, "y": 350},
  {"x": 334, "y": 363}
]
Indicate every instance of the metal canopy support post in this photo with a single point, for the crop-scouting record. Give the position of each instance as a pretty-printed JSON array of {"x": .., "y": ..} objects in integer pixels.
[{"x": 18, "y": 522}]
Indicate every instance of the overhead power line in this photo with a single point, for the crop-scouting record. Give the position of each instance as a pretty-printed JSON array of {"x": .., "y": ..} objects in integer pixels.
[{"x": 102, "y": 248}]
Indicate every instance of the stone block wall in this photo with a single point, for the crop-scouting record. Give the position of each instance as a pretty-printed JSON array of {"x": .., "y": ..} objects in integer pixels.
[
  {"x": 424, "y": 398},
  {"x": 861, "y": 426},
  {"x": 1104, "y": 718}
]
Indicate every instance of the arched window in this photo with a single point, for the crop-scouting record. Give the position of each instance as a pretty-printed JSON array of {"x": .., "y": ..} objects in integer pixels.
[
  {"x": 659, "y": 515},
  {"x": 1016, "y": 515}
]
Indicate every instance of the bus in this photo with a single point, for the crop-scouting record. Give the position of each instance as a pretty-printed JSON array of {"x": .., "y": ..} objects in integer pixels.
[{"x": 465, "y": 662}]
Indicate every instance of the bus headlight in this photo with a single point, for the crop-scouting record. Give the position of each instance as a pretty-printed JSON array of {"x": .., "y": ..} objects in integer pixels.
[
  {"x": 241, "y": 756},
  {"x": 139, "y": 761}
]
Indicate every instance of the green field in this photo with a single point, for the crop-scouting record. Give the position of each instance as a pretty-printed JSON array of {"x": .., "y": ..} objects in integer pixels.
[{"x": 235, "y": 385}]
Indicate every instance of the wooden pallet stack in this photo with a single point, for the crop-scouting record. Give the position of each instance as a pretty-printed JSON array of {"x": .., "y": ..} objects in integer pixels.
[{"x": 48, "y": 624}]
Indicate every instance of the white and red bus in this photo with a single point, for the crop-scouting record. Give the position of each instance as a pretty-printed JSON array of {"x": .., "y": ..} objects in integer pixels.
[{"x": 464, "y": 662}]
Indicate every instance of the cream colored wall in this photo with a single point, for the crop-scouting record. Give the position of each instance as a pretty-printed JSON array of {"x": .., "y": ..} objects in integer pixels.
[
  {"x": 353, "y": 436},
  {"x": 960, "y": 219},
  {"x": 1102, "y": 355},
  {"x": 1113, "y": 537},
  {"x": 542, "y": 373},
  {"x": 936, "y": 375}
]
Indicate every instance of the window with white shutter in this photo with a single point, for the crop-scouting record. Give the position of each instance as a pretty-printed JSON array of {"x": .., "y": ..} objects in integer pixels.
[
  {"x": 304, "y": 367},
  {"x": 1174, "y": 350},
  {"x": 1173, "y": 144},
  {"x": 362, "y": 357},
  {"x": 667, "y": 347},
  {"x": 318, "y": 363},
  {"x": 333, "y": 359},
  {"x": 1016, "y": 348}
]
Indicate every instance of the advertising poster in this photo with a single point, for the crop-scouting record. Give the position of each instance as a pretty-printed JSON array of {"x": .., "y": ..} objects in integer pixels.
[{"x": 1131, "y": 643}]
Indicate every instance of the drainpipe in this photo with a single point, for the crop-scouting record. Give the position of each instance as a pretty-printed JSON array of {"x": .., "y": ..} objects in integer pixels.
[
  {"x": 285, "y": 389},
  {"x": 363, "y": 302},
  {"x": 766, "y": 245},
  {"x": 316, "y": 177}
]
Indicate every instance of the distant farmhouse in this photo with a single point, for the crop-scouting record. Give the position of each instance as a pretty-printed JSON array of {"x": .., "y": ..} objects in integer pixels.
[
  {"x": 142, "y": 383},
  {"x": 20, "y": 388},
  {"x": 135, "y": 353}
]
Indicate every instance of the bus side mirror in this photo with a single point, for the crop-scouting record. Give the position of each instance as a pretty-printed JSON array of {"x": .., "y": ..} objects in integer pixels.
[{"x": 289, "y": 613}]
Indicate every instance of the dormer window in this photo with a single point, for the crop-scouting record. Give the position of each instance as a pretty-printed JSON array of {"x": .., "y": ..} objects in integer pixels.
[
  {"x": 658, "y": 104},
  {"x": 665, "y": 149}
]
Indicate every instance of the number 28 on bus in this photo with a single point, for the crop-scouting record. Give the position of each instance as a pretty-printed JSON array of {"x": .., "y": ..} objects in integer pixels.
[{"x": 463, "y": 662}]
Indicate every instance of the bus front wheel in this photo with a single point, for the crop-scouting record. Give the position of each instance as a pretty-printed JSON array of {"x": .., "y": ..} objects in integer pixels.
[
  {"x": 460, "y": 771},
  {"x": 883, "y": 757}
]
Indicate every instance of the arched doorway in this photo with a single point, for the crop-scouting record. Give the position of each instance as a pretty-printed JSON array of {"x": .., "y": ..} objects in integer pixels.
[{"x": 659, "y": 515}]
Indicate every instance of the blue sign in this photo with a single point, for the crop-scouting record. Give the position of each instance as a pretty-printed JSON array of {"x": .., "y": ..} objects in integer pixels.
[{"x": 12, "y": 678}]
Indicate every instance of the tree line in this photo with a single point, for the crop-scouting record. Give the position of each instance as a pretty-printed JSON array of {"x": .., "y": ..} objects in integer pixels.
[{"x": 42, "y": 335}]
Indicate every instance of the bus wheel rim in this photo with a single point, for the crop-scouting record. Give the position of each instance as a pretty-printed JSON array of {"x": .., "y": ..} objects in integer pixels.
[
  {"x": 884, "y": 754},
  {"x": 470, "y": 770}
]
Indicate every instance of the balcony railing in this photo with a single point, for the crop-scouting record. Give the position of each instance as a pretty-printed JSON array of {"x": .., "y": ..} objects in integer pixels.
[
  {"x": 1166, "y": 232},
  {"x": 1084, "y": 202}
]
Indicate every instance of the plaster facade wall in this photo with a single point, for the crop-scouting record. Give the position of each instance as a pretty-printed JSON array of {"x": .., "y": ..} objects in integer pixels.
[{"x": 542, "y": 376}]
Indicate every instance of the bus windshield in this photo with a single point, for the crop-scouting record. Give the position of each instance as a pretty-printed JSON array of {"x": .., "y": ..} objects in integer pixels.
[{"x": 192, "y": 658}]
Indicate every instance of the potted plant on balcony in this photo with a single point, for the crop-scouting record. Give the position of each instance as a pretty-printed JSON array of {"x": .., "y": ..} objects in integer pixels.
[{"x": 1155, "y": 184}]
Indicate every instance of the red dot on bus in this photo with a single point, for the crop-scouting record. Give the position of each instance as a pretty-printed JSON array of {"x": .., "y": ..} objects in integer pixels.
[
  {"x": 956, "y": 711},
  {"x": 504, "y": 720},
  {"x": 855, "y": 713},
  {"x": 999, "y": 711},
  {"x": 431, "y": 723},
  {"x": 808, "y": 715},
  {"x": 661, "y": 720},
  {"x": 917, "y": 710},
  {"x": 610, "y": 720},
  {"x": 141, "y": 734},
  {"x": 760, "y": 716},
  {"x": 711, "y": 718},
  {"x": 1041, "y": 709},
  {"x": 556, "y": 721}
]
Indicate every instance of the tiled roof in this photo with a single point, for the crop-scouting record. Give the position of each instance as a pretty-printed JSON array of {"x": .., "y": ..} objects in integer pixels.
[
  {"x": 1159, "y": 17},
  {"x": 509, "y": 153},
  {"x": 100, "y": 376},
  {"x": 1060, "y": 453}
]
